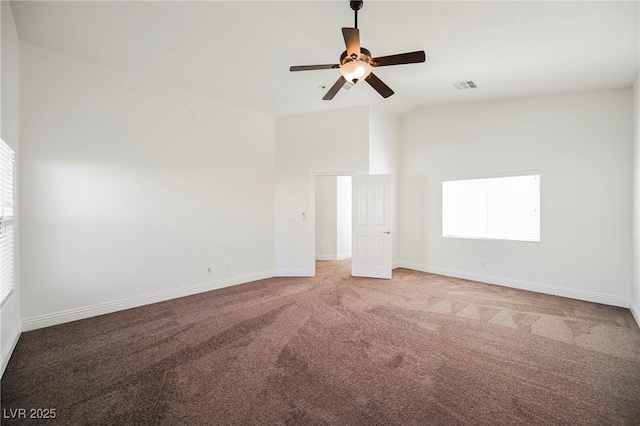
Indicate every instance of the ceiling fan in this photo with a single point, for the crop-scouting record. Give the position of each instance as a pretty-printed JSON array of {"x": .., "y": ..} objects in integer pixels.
[{"x": 356, "y": 62}]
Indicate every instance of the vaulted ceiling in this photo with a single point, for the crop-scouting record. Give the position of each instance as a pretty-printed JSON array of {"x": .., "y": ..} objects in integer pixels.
[{"x": 240, "y": 52}]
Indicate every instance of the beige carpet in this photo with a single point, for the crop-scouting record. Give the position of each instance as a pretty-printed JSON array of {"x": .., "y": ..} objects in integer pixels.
[{"x": 421, "y": 349}]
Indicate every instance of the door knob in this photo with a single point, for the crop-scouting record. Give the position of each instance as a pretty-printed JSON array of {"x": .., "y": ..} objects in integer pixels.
[{"x": 386, "y": 232}]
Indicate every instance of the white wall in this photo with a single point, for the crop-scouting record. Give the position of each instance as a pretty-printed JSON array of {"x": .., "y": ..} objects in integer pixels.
[
  {"x": 10, "y": 78},
  {"x": 326, "y": 218},
  {"x": 582, "y": 143},
  {"x": 344, "y": 216},
  {"x": 384, "y": 139},
  {"x": 384, "y": 143},
  {"x": 329, "y": 142},
  {"x": 10, "y": 324},
  {"x": 635, "y": 308},
  {"x": 2, "y": 25},
  {"x": 131, "y": 190}
]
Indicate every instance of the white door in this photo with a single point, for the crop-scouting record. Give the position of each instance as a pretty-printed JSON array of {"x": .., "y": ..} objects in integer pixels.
[{"x": 372, "y": 219}]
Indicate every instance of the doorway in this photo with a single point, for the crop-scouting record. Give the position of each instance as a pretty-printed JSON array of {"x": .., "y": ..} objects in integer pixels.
[{"x": 333, "y": 217}]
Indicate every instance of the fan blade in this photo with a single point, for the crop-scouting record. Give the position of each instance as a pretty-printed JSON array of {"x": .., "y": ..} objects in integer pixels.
[
  {"x": 400, "y": 59},
  {"x": 313, "y": 67},
  {"x": 379, "y": 85},
  {"x": 352, "y": 40},
  {"x": 334, "y": 89}
]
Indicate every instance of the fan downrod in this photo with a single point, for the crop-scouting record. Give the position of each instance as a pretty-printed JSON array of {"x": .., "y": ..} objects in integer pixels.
[{"x": 356, "y": 5}]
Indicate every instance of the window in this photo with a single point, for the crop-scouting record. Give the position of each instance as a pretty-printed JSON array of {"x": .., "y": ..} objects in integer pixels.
[
  {"x": 502, "y": 208},
  {"x": 7, "y": 212}
]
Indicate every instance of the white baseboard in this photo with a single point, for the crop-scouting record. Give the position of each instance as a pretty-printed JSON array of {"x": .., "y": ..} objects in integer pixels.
[
  {"x": 326, "y": 257},
  {"x": 301, "y": 272},
  {"x": 62, "y": 317},
  {"x": 635, "y": 312},
  {"x": 589, "y": 296},
  {"x": 339, "y": 256},
  {"x": 8, "y": 350}
]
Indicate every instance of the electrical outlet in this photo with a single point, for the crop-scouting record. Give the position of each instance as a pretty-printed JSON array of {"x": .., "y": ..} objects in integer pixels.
[
  {"x": 228, "y": 267},
  {"x": 483, "y": 264},
  {"x": 209, "y": 270}
]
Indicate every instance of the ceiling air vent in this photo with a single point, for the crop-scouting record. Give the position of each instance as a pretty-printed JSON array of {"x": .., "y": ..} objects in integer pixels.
[{"x": 460, "y": 85}]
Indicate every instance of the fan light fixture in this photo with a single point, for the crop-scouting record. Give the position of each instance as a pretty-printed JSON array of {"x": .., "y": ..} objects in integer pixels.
[{"x": 355, "y": 71}]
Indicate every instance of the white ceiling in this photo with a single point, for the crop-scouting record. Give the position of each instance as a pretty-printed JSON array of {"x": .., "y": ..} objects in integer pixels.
[{"x": 240, "y": 52}]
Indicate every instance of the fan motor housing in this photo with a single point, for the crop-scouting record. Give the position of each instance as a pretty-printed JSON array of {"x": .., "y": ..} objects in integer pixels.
[{"x": 365, "y": 56}]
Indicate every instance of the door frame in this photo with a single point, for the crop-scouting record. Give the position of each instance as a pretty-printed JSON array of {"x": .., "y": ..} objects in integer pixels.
[{"x": 312, "y": 214}]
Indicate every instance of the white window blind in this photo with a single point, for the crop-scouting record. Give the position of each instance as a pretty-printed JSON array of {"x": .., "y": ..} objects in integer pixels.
[
  {"x": 504, "y": 208},
  {"x": 7, "y": 213}
]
